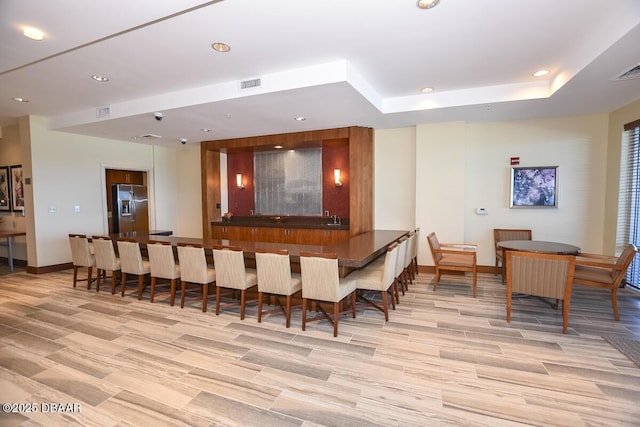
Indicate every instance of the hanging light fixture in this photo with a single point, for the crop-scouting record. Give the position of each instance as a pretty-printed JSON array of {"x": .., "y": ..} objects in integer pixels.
[{"x": 427, "y": 4}]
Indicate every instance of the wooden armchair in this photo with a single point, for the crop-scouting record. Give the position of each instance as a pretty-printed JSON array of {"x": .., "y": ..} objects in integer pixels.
[
  {"x": 501, "y": 234},
  {"x": 453, "y": 257},
  {"x": 541, "y": 275},
  {"x": 606, "y": 272}
]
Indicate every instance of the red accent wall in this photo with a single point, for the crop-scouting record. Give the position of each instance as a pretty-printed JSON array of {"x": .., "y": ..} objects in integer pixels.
[
  {"x": 334, "y": 199},
  {"x": 241, "y": 201}
]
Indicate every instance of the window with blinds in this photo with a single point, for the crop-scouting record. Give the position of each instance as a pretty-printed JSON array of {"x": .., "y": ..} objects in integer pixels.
[
  {"x": 628, "y": 230},
  {"x": 288, "y": 182}
]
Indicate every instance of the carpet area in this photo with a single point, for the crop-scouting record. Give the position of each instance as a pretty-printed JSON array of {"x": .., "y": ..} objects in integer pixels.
[{"x": 626, "y": 346}]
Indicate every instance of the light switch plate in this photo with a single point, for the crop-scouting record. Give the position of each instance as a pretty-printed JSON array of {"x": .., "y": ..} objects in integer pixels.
[{"x": 481, "y": 211}]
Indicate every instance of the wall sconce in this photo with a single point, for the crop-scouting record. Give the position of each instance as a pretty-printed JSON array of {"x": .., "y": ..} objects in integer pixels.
[
  {"x": 336, "y": 177},
  {"x": 239, "y": 181}
]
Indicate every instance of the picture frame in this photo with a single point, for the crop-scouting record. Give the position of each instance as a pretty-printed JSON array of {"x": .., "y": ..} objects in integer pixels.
[
  {"x": 5, "y": 189},
  {"x": 534, "y": 187},
  {"x": 17, "y": 188}
]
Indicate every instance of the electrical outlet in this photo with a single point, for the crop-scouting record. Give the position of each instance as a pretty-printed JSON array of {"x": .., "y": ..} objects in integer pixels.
[
  {"x": 326, "y": 213},
  {"x": 76, "y": 208},
  {"x": 52, "y": 209}
]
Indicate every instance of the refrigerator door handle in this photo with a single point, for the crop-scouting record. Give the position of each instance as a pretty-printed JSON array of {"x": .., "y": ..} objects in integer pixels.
[{"x": 133, "y": 206}]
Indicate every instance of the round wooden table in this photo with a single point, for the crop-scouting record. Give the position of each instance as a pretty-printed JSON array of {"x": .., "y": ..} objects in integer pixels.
[{"x": 539, "y": 246}]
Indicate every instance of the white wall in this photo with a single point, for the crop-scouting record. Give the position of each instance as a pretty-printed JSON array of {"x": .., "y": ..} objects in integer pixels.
[
  {"x": 395, "y": 168},
  {"x": 68, "y": 170},
  {"x": 462, "y": 166}
]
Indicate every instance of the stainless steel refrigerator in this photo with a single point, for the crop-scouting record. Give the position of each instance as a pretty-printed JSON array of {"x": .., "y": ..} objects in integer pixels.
[{"x": 130, "y": 212}]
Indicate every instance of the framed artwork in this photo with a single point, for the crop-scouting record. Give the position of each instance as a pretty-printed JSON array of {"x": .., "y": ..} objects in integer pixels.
[
  {"x": 534, "y": 187},
  {"x": 5, "y": 189},
  {"x": 17, "y": 188}
]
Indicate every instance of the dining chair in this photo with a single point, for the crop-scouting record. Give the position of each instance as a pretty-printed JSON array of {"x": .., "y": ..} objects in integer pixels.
[
  {"x": 408, "y": 258},
  {"x": 605, "y": 272},
  {"x": 194, "y": 269},
  {"x": 106, "y": 260},
  {"x": 383, "y": 281},
  {"x": 321, "y": 282},
  {"x": 400, "y": 270},
  {"x": 82, "y": 257},
  {"x": 275, "y": 278},
  {"x": 163, "y": 266},
  {"x": 232, "y": 274},
  {"x": 456, "y": 257},
  {"x": 131, "y": 262},
  {"x": 541, "y": 275},
  {"x": 501, "y": 234}
]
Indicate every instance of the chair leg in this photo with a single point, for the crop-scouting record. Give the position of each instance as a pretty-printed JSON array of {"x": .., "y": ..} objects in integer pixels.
[
  {"x": 565, "y": 315},
  {"x": 304, "y": 313},
  {"x": 205, "y": 297},
  {"x": 114, "y": 280},
  {"x": 99, "y": 271},
  {"x": 75, "y": 275},
  {"x": 243, "y": 294},
  {"x": 183, "y": 289},
  {"x": 614, "y": 302},
  {"x": 217, "y": 300},
  {"x": 124, "y": 282},
  {"x": 260, "y": 307},
  {"x": 395, "y": 290},
  {"x": 393, "y": 300},
  {"x": 336, "y": 317},
  {"x": 288, "y": 310},
  {"x": 89, "y": 276},
  {"x": 173, "y": 291},
  {"x": 436, "y": 279},
  {"x": 385, "y": 304},
  {"x": 153, "y": 290}
]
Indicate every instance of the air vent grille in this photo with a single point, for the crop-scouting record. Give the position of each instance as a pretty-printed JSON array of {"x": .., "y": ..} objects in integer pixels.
[
  {"x": 248, "y": 84},
  {"x": 632, "y": 73},
  {"x": 150, "y": 136},
  {"x": 103, "y": 111}
]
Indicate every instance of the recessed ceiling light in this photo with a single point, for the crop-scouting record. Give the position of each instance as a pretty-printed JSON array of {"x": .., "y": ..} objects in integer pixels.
[
  {"x": 100, "y": 78},
  {"x": 205, "y": 130},
  {"x": 277, "y": 147},
  {"x": 426, "y": 90},
  {"x": 540, "y": 73},
  {"x": 221, "y": 47},
  {"x": 427, "y": 4},
  {"x": 20, "y": 99},
  {"x": 300, "y": 119},
  {"x": 33, "y": 33}
]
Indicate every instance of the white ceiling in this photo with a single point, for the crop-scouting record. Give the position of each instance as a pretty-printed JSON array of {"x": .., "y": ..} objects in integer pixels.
[{"x": 336, "y": 62}]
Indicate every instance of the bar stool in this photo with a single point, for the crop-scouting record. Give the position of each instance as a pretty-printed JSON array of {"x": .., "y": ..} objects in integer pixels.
[
  {"x": 232, "y": 274},
  {"x": 275, "y": 277},
  {"x": 163, "y": 266},
  {"x": 131, "y": 262},
  {"x": 82, "y": 257},
  {"x": 194, "y": 269},
  {"x": 321, "y": 282},
  {"x": 106, "y": 260}
]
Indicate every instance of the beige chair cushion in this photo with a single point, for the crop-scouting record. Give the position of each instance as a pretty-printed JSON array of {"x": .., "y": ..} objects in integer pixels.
[
  {"x": 321, "y": 281},
  {"x": 162, "y": 261},
  {"x": 374, "y": 279},
  {"x": 105, "y": 254},
  {"x": 81, "y": 252},
  {"x": 230, "y": 270},
  {"x": 194, "y": 267},
  {"x": 275, "y": 276},
  {"x": 131, "y": 261}
]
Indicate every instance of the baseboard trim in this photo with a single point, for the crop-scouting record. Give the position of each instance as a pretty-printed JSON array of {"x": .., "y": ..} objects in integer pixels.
[{"x": 49, "y": 268}]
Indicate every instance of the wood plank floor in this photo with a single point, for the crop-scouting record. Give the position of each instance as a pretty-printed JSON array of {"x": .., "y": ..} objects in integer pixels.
[{"x": 443, "y": 358}]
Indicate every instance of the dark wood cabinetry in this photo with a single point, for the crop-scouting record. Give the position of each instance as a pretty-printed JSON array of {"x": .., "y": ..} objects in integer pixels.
[{"x": 289, "y": 235}]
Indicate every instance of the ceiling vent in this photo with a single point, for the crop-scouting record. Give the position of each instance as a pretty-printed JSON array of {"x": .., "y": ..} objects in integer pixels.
[
  {"x": 632, "y": 73},
  {"x": 248, "y": 84},
  {"x": 150, "y": 136},
  {"x": 103, "y": 111}
]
